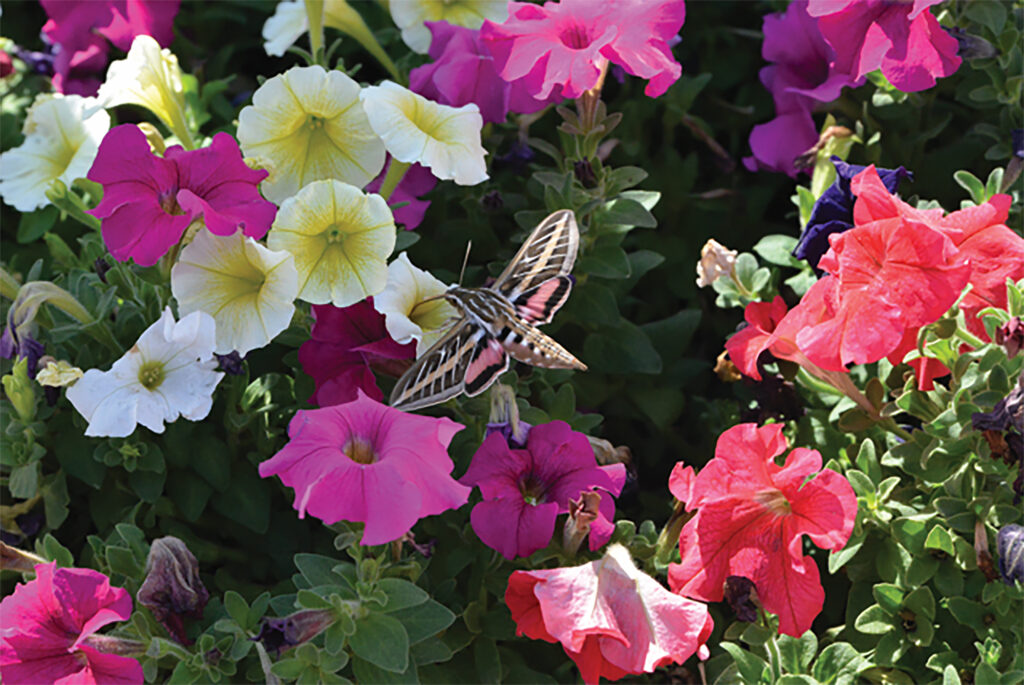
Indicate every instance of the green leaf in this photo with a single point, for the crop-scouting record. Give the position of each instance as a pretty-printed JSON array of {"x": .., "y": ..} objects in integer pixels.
[
  {"x": 33, "y": 225},
  {"x": 622, "y": 350},
  {"x": 921, "y": 602},
  {"x": 991, "y": 15},
  {"x": 778, "y": 249},
  {"x": 367, "y": 672},
  {"x": 237, "y": 608},
  {"x": 424, "y": 620},
  {"x": 626, "y": 212},
  {"x": 791, "y": 679},
  {"x": 401, "y": 594},
  {"x": 940, "y": 539},
  {"x": 950, "y": 675},
  {"x": 838, "y": 663},
  {"x": 750, "y": 666},
  {"x": 289, "y": 668},
  {"x": 889, "y": 597},
  {"x": 622, "y": 178},
  {"x": 24, "y": 480},
  {"x": 54, "y": 551},
  {"x": 487, "y": 660},
  {"x": 797, "y": 653},
  {"x": 148, "y": 485},
  {"x": 247, "y": 501},
  {"x": 382, "y": 641},
  {"x": 121, "y": 560},
  {"x": 211, "y": 459},
  {"x": 971, "y": 183},
  {"x": 608, "y": 261},
  {"x": 873, "y": 621},
  {"x": 867, "y": 461},
  {"x": 318, "y": 570}
]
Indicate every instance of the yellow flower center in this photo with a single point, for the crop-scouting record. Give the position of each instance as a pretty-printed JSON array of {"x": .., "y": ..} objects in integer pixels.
[
  {"x": 359, "y": 451},
  {"x": 151, "y": 375},
  {"x": 335, "y": 234},
  {"x": 315, "y": 122}
]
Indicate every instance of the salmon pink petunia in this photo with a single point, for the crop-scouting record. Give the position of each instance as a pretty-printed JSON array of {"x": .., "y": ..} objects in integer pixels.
[
  {"x": 612, "y": 619},
  {"x": 364, "y": 461},
  {"x": 50, "y": 625},
  {"x": 525, "y": 490},
  {"x": 902, "y": 39},
  {"x": 344, "y": 344},
  {"x": 751, "y": 517},
  {"x": 149, "y": 201}
]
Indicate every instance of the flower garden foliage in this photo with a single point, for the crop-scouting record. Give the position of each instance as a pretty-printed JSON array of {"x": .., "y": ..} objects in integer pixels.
[{"x": 226, "y": 231}]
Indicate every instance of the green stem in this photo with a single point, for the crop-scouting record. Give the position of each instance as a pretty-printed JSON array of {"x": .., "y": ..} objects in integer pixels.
[
  {"x": 890, "y": 425},
  {"x": 396, "y": 171},
  {"x": 315, "y": 15},
  {"x": 69, "y": 202},
  {"x": 969, "y": 338},
  {"x": 774, "y": 656},
  {"x": 341, "y": 16},
  {"x": 8, "y": 286}
]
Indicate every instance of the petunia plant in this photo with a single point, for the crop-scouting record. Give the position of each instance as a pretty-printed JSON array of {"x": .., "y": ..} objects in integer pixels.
[{"x": 794, "y": 274}]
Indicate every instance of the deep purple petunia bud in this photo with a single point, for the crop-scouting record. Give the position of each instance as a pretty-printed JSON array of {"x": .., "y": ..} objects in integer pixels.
[
  {"x": 281, "y": 634},
  {"x": 741, "y": 594},
  {"x": 1010, "y": 546},
  {"x": 172, "y": 590}
]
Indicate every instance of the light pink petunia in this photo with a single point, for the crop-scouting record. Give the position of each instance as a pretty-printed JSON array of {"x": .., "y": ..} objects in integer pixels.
[
  {"x": 149, "y": 201},
  {"x": 561, "y": 48},
  {"x": 364, "y": 461},
  {"x": 611, "y": 619},
  {"x": 751, "y": 518},
  {"x": 903, "y": 39},
  {"x": 48, "y": 627}
]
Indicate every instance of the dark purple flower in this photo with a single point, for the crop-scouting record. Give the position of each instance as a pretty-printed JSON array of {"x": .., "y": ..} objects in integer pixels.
[
  {"x": 833, "y": 212},
  {"x": 1010, "y": 545},
  {"x": 517, "y": 158},
  {"x": 281, "y": 634},
  {"x": 1017, "y": 142},
  {"x": 1011, "y": 336},
  {"x": 16, "y": 341},
  {"x": 418, "y": 181},
  {"x": 741, "y": 595},
  {"x": 231, "y": 363},
  {"x": 172, "y": 590}
]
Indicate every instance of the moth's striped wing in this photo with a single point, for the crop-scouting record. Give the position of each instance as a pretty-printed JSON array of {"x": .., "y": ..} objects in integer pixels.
[
  {"x": 465, "y": 358},
  {"x": 550, "y": 251},
  {"x": 538, "y": 305}
]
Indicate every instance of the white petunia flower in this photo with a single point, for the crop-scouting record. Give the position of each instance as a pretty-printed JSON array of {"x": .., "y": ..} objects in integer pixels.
[
  {"x": 149, "y": 76},
  {"x": 168, "y": 373},
  {"x": 307, "y": 125},
  {"x": 409, "y": 16},
  {"x": 415, "y": 129},
  {"x": 247, "y": 289},
  {"x": 284, "y": 27},
  {"x": 407, "y": 314},
  {"x": 62, "y": 135},
  {"x": 340, "y": 238}
]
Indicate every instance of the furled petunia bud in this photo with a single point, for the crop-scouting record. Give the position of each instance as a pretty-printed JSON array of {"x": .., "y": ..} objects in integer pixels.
[
  {"x": 172, "y": 590},
  {"x": 716, "y": 261},
  {"x": 18, "y": 389},
  {"x": 582, "y": 513},
  {"x": 281, "y": 634},
  {"x": 741, "y": 594},
  {"x": 1010, "y": 545}
]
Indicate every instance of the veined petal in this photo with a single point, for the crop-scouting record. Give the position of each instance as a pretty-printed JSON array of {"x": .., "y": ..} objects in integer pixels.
[
  {"x": 409, "y": 16},
  {"x": 149, "y": 77},
  {"x": 407, "y": 316}
]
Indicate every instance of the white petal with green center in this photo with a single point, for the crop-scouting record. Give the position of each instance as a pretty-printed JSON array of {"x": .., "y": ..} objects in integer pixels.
[
  {"x": 62, "y": 135},
  {"x": 340, "y": 238},
  {"x": 247, "y": 289},
  {"x": 307, "y": 125},
  {"x": 406, "y": 315},
  {"x": 409, "y": 16},
  {"x": 415, "y": 129}
]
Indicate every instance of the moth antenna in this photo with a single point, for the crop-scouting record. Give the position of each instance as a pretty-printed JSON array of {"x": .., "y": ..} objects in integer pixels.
[{"x": 465, "y": 260}]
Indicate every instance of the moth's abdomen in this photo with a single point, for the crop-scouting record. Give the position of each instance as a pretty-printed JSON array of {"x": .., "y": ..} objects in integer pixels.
[{"x": 528, "y": 345}]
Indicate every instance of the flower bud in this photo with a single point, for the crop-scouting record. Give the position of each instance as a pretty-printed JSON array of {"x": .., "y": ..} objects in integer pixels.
[
  {"x": 582, "y": 513},
  {"x": 14, "y": 559},
  {"x": 19, "y": 391},
  {"x": 1011, "y": 336},
  {"x": 741, "y": 594},
  {"x": 281, "y": 634},
  {"x": 153, "y": 137},
  {"x": 716, "y": 261},
  {"x": 172, "y": 589},
  {"x": 504, "y": 417},
  {"x": 1010, "y": 546},
  {"x": 57, "y": 374}
]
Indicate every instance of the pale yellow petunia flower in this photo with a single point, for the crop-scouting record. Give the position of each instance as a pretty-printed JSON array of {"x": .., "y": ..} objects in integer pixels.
[
  {"x": 409, "y": 16},
  {"x": 409, "y": 311}
]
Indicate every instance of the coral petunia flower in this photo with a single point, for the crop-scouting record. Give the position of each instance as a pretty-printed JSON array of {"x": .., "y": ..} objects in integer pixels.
[
  {"x": 407, "y": 313},
  {"x": 344, "y": 345},
  {"x": 247, "y": 289},
  {"x": 561, "y": 48},
  {"x": 751, "y": 518},
  {"x": 340, "y": 238},
  {"x": 902, "y": 39},
  {"x": 50, "y": 625},
  {"x": 525, "y": 490},
  {"x": 149, "y": 201},
  {"x": 612, "y": 619},
  {"x": 444, "y": 139},
  {"x": 62, "y": 136},
  {"x": 412, "y": 17},
  {"x": 307, "y": 125},
  {"x": 364, "y": 461},
  {"x": 463, "y": 71}
]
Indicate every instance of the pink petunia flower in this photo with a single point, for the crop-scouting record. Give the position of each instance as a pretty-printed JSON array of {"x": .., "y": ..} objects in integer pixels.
[
  {"x": 902, "y": 39},
  {"x": 612, "y": 619},
  {"x": 364, "y": 461},
  {"x": 799, "y": 77},
  {"x": 525, "y": 490},
  {"x": 49, "y": 625},
  {"x": 78, "y": 30},
  {"x": 344, "y": 345},
  {"x": 561, "y": 49},
  {"x": 417, "y": 182},
  {"x": 463, "y": 71},
  {"x": 751, "y": 518},
  {"x": 149, "y": 201}
]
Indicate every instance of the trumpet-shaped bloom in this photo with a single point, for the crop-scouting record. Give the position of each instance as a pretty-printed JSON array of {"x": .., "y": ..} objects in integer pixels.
[
  {"x": 612, "y": 619},
  {"x": 78, "y": 30},
  {"x": 364, "y": 461},
  {"x": 168, "y": 372},
  {"x": 62, "y": 135},
  {"x": 416, "y": 182},
  {"x": 525, "y": 490},
  {"x": 463, "y": 71},
  {"x": 343, "y": 346},
  {"x": 340, "y": 238},
  {"x": 407, "y": 315},
  {"x": 149, "y": 201},
  {"x": 247, "y": 289},
  {"x": 444, "y": 139},
  {"x": 307, "y": 125},
  {"x": 561, "y": 48},
  {"x": 902, "y": 39},
  {"x": 49, "y": 624},
  {"x": 410, "y": 16},
  {"x": 151, "y": 78},
  {"x": 751, "y": 518}
]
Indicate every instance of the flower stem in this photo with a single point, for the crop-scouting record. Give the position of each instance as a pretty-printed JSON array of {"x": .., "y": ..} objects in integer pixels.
[
  {"x": 315, "y": 15},
  {"x": 969, "y": 338},
  {"x": 774, "y": 656},
  {"x": 341, "y": 16},
  {"x": 396, "y": 171},
  {"x": 69, "y": 202}
]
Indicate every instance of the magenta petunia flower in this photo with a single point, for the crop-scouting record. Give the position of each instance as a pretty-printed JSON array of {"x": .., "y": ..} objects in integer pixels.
[
  {"x": 798, "y": 78},
  {"x": 560, "y": 49},
  {"x": 149, "y": 201},
  {"x": 343, "y": 346},
  {"x": 417, "y": 182},
  {"x": 525, "y": 490},
  {"x": 78, "y": 30},
  {"x": 364, "y": 461},
  {"x": 903, "y": 39},
  {"x": 49, "y": 625},
  {"x": 463, "y": 71}
]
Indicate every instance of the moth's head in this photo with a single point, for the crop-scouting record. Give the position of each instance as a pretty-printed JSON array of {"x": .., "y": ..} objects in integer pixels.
[{"x": 455, "y": 295}]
